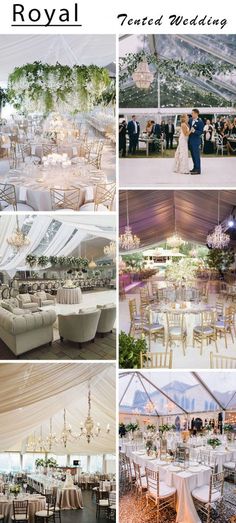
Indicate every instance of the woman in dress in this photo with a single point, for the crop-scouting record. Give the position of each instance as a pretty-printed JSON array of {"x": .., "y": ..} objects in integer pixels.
[
  {"x": 181, "y": 155},
  {"x": 208, "y": 147}
]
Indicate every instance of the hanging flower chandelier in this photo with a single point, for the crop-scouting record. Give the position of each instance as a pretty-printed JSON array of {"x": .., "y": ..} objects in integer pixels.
[
  {"x": 67, "y": 434},
  {"x": 218, "y": 239},
  {"x": 88, "y": 429},
  {"x": 128, "y": 241},
  {"x": 110, "y": 251},
  {"x": 142, "y": 75},
  {"x": 18, "y": 239}
]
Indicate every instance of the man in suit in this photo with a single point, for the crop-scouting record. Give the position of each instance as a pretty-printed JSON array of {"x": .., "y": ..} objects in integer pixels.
[
  {"x": 157, "y": 130},
  {"x": 169, "y": 134},
  {"x": 133, "y": 132},
  {"x": 194, "y": 142}
]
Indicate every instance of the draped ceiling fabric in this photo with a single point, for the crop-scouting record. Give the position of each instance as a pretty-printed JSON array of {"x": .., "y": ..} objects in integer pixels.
[
  {"x": 97, "y": 232},
  {"x": 152, "y": 214},
  {"x": 17, "y": 50},
  {"x": 32, "y": 393}
]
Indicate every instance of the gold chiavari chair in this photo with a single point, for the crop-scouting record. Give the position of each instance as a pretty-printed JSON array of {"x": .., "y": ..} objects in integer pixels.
[
  {"x": 156, "y": 360},
  {"x": 49, "y": 149},
  {"x": 159, "y": 493},
  {"x": 136, "y": 322},
  {"x": 222, "y": 362},
  {"x": 225, "y": 325},
  {"x": 140, "y": 481},
  {"x": 103, "y": 198},
  {"x": 208, "y": 496},
  {"x": 176, "y": 330},
  {"x": 152, "y": 329},
  {"x": 205, "y": 331},
  {"x": 65, "y": 199}
]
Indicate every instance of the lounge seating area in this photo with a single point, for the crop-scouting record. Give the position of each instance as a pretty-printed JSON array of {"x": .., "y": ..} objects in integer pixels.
[{"x": 55, "y": 301}]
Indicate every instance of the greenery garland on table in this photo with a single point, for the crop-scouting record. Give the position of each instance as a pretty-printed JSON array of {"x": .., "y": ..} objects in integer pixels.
[
  {"x": 43, "y": 87},
  {"x": 170, "y": 68},
  {"x": 57, "y": 261}
]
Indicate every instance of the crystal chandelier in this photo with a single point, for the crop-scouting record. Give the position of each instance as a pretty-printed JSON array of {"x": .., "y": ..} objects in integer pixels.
[
  {"x": 175, "y": 241},
  {"x": 18, "y": 239},
  {"x": 88, "y": 429},
  {"x": 92, "y": 264},
  {"x": 36, "y": 444},
  {"x": 67, "y": 434},
  {"x": 51, "y": 439},
  {"x": 110, "y": 251},
  {"x": 142, "y": 75},
  {"x": 128, "y": 241},
  {"x": 218, "y": 239}
]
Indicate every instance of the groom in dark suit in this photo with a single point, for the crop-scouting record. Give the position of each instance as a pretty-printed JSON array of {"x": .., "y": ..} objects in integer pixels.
[
  {"x": 194, "y": 142},
  {"x": 133, "y": 129}
]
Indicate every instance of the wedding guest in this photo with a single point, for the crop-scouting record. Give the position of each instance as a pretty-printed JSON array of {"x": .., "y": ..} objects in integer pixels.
[
  {"x": 122, "y": 138},
  {"x": 169, "y": 134},
  {"x": 163, "y": 126},
  {"x": 149, "y": 127},
  {"x": 208, "y": 147},
  {"x": 224, "y": 132},
  {"x": 133, "y": 132},
  {"x": 157, "y": 131}
]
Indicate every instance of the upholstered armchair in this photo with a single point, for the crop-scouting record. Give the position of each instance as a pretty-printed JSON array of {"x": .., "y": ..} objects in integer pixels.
[
  {"x": 44, "y": 298},
  {"x": 107, "y": 319},
  {"x": 27, "y": 301},
  {"x": 79, "y": 327}
]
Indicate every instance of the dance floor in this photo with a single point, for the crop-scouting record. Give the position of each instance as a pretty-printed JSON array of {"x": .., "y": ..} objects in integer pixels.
[
  {"x": 154, "y": 172},
  {"x": 141, "y": 515}
]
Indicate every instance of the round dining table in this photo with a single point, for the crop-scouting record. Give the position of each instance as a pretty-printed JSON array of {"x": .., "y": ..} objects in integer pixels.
[
  {"x": 69, "y": 295},
  {"x": 69, "y": 498},
  {"x": 36, "y": 503}
]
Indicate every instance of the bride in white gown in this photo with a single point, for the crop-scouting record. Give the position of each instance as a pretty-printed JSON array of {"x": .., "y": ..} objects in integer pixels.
[{"x": 181, "y": 155}]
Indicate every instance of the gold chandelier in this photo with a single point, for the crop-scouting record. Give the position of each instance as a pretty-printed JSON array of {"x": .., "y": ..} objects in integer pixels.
[
  {"x": 142, "y": 75},
  {"x": 218, "y": 239},
  {"x": 128, "y": 241},
  {"x": 110, "y": 251},
  {"x": 92, "y": 264},
  {"x": 67, "y": 434},
  {"x": 18, "y": 239},
  {"x": 88, "y": 429}
]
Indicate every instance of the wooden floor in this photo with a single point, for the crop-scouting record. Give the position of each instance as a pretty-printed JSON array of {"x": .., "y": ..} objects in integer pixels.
[{"x": 101, "y": 349}]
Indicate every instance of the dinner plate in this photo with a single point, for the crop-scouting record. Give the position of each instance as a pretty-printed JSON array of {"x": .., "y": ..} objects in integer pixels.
[{"x": 174, "y": 468}]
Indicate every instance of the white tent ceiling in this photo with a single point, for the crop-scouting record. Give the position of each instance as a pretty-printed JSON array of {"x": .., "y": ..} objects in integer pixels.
[
  {"x": 91, "y": 237},
  {"x": 17, "y": 50},
  {"x": 32, "y": 393},
  {"x": 152, "y": 214}
]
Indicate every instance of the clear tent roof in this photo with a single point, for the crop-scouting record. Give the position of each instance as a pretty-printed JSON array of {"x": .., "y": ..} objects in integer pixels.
[
  {"x": 218, "y": 91},
  {"x": 162, "y": 394}
]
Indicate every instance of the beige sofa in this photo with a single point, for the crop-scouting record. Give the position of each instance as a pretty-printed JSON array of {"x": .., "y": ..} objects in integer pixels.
[
  {"x": 44, "y": 298},
  {"x": 79, "y": 327},
  {"x": 107, "y": 318},
  {"x": 27, "y": 301},
  {"x": 26, "y": 330}
]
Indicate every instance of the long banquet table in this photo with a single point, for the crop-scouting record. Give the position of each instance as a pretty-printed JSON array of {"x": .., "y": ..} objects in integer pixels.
[
  {"x": 36, "y": 503},
  {"x": 183, "y": 480}
]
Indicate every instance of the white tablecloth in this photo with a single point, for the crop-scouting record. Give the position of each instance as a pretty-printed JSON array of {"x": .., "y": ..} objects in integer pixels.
[
  {"x": 35, "y": 504},
  {"x": 69, "y": 295},
  {"x": 184, "y": 481},
  {"x": 34, "y": 187}
]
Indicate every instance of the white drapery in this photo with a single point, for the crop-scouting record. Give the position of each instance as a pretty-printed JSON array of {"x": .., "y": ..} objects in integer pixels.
[
  {"x": 32, "y": 393},
  {"x": 36, "y": 233}
]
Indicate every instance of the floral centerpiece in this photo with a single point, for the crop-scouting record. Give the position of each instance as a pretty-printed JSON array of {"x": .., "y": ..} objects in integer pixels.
[
  {"x": 15, "y": 489},
  {"x": 214, "y": 442},
  {"x": 181, "y": 271},
  {"x": 132, "y": 427}
]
